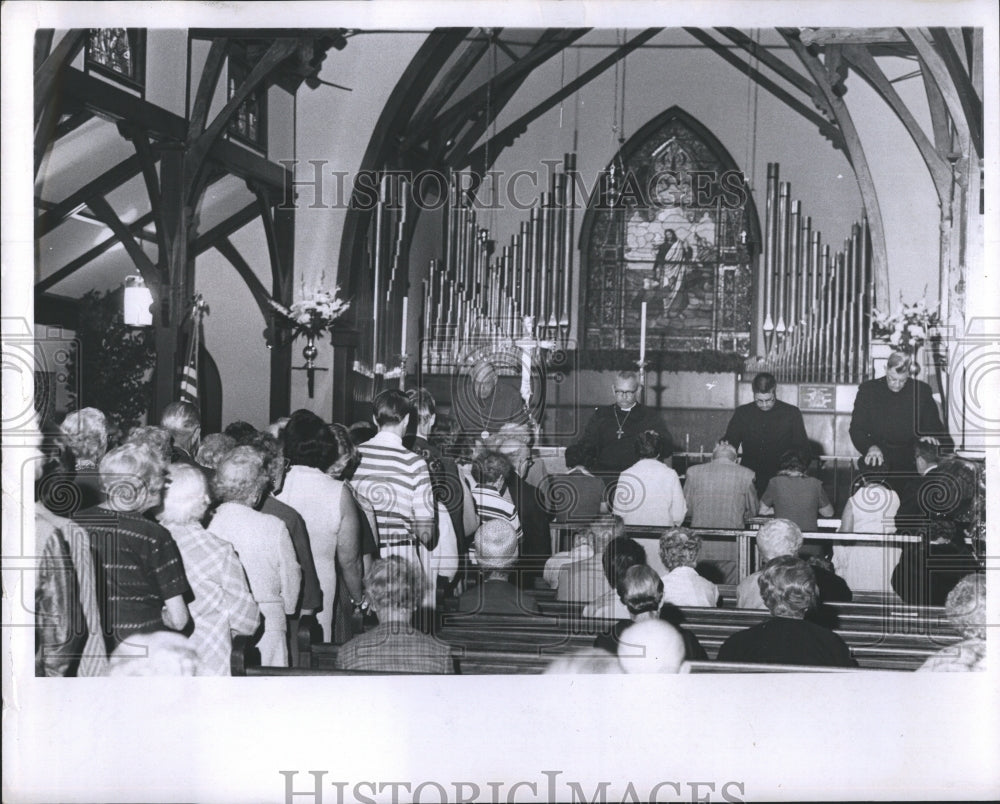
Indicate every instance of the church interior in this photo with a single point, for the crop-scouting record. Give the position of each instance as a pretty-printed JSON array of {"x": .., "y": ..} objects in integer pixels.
[
  {"x": 272, "y": 220},
  {"x": 414, "y": 347}
]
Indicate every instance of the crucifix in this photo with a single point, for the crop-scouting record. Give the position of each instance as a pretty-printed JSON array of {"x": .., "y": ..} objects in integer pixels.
[
  {"x": 642, "y": 352},
  {"x": 529, "y": 345}
]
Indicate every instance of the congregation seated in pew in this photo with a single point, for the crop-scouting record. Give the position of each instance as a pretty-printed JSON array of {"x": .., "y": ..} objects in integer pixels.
[
  {"x": 496, "y": 547},
  {"x": 649, "y": 492},
  {"x": 584, "y": 580},
  {"x": 789, "y": 590},
  {"x": 794, "y": 495},
  {"x": 965, "y": 608},
  {"x": 721, "y": 494},
  {"x": 682, "y": 585},
  {"x": 871, "y": 508},
  {"x": 394, "y": 591},
  {"x": 576, "y": 497},
  {"x": 620, "y": 554},
  {"x": 781, "y": 537},
  {"x": 641, "y": 593},
  {"x": 582, "y": 547}
]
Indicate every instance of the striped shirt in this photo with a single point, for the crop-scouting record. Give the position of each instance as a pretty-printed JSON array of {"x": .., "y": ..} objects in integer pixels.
[
  {"x": 396, "y": 484},
  {"x": 491, "y": 504},
  {"x": 222, "y": 600},
  {"x": 138, "y": 568}
]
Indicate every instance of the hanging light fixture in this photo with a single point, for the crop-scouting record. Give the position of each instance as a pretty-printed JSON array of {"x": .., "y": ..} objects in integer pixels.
[
  {"x": 616, "y": 172},
  {"x": 138, "y": 303}
]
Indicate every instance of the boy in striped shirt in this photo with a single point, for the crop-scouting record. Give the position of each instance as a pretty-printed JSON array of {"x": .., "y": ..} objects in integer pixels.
[
  {"x": 396, "y": 484},
  {"x": 490, "y": 473}
]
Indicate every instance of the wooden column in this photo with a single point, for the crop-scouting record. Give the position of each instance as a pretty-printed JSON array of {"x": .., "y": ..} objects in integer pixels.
[
  {"x": 283, "y": 272},
  {"x": 345, "y": 341},
  {"x": 177, "y": 286}
]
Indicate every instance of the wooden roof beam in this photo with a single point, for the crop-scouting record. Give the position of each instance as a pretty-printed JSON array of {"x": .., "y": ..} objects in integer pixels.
[
  {"x": 260, "y": 295},
  {"x": 970, "y": 129},
  {"x": 861, "y": 60},
  {"x": 551, "y": 43},
  {"x": 505, "y": 138},
  {"x": 850, "y": 36},
  {"x": 972, "y": 103},
  {"x": 45, "y": 76},
  {"x": 102, "y": 209},
  {"x": 826, "y": 127},
  {"x": 766, "y": 57},
  {"x": 107, "y": 182},
  {"x": 89, "y": 256},
  {"x": 229, "y": 226},
  {"x": 198, "y": 150},
  {"x": 445, "y": 88},
  {"x": 856, "y": 155}
]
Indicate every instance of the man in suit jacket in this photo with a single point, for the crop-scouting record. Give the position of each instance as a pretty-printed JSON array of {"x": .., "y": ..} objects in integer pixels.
[{"x": 721, "y": 494}]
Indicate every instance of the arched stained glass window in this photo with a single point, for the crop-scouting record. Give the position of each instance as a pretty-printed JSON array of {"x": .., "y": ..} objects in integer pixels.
[{"x": 676, "y": 232}]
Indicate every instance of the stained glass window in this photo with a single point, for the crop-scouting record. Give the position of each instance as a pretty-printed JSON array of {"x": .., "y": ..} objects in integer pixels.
[
  {"x": 249, "y": 124},
  {"x": 118, "y": 53},
  {"x": 677, "y": 237}
]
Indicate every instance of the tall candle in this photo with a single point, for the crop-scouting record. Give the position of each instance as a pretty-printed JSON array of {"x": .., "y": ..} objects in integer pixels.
[
  {"x": 402, "y": 329},
  {"x": 642, "y": 334}
]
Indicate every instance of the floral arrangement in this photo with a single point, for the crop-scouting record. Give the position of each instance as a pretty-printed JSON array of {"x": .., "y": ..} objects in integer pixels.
[
  {"x": 314, "y": 315},
  {"x": 908, "y": 327}
]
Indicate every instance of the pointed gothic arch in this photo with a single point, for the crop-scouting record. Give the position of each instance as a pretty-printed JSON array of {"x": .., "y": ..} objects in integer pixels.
[{"x": 683, "y": 236}]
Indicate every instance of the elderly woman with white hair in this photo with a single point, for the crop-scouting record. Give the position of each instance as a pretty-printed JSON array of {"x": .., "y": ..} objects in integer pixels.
[
  {"x": 222, "y": 603},
  {"x": 76, "y": 483},
  {"x": 394, "y": 588},
  {"x": 782, "y": 537},
  {"x": 682, "y": 585},
  {"x": 141, "y": 584},
  {"x": 965, "y": 608},
  {"x": 788, "y": 587},
  {"x": 496, "y": 551},
  {"x": 262, "y": 544}
]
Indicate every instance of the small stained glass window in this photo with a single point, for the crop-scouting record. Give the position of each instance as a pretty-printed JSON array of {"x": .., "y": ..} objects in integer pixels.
[
  {"x": 249, "y": 124},
  {"x": 118, "y": 53}
]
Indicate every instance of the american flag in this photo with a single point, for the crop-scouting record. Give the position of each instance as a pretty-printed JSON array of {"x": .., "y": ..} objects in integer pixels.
[{"x": 189, "y": 374}]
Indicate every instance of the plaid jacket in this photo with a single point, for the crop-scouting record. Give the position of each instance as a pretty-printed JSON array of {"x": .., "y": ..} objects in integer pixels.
[
  {"x": 222, "y": 601},
  {"x": 395, "y": 647}
]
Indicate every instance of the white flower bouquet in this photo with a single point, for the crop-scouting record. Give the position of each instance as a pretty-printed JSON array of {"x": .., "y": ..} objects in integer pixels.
[
  {"x": 314, "y": 315},
  {"x": 908, "y": 327}
]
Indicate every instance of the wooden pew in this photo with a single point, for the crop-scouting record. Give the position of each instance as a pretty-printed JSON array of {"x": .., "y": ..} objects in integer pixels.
[
  {"x": 545, "y": 637},
  {"x": 647, "y": 536},
  {"x": 751, "y": 667}
]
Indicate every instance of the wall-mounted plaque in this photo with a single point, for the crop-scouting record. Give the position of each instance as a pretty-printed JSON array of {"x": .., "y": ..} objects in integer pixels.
[{"x": 817, "y": 397}]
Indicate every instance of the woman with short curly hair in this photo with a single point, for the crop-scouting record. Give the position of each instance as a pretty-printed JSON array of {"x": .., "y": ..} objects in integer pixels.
[
  {"x": 682, "y": 585},
  {"x": 263, "y": 545},
  {"x": 788, "y": 587},
  {"x": 394, "y": 588}
]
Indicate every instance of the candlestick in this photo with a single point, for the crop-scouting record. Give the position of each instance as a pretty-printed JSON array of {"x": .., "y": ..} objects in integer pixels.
[
  {"x": 642, "y": 334},
  {"x": 402, "y": 336}
]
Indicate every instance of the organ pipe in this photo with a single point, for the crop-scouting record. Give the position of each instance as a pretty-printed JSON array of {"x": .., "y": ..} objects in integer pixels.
[
  {"x": 816, "y": 302},
  {"x": 474, "y": 294}
]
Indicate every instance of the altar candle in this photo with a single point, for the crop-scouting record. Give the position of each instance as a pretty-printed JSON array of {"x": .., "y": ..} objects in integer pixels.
[
  {"x": 642, "y": 334},
  {"x": 402, "y": 337}
]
